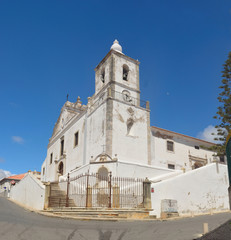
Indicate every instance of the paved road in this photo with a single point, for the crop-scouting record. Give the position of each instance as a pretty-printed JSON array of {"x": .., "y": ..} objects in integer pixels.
[{"x": 17, "y": 223}]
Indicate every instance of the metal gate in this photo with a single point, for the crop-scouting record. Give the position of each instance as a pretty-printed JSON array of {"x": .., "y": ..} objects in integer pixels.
[{"x": 92, "y": 190}]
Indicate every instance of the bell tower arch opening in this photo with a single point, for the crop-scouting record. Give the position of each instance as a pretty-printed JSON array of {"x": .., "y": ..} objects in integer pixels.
[{"x": 125, "y": 72}]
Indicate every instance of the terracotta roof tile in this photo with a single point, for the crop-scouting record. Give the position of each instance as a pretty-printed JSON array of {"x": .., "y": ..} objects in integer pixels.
[{"x": 17, "y": 177}]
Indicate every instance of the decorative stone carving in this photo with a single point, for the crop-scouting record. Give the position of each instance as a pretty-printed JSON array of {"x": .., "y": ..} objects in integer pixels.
[{"x": 130, "y": 123}]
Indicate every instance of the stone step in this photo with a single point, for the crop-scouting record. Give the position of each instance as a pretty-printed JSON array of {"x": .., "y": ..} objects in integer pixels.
[
  {"x": 91, "y": 215},
  {"x": 58, "y": 196},
  {"x": 99, "y": 215},
  {"x": 111, "y": 210},
  {"x": 56, "y": 189}
]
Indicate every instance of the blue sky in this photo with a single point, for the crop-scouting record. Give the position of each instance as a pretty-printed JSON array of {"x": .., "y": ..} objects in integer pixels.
[{"x": 50, "y": 48}]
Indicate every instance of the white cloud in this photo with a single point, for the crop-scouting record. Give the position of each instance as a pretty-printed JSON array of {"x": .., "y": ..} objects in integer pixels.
[
  {"x": 4, "y": 173},
  {"x": 18, "y": 139},
  {"x": 206, "y": 134},
  {"x": 2, "y": 160}
]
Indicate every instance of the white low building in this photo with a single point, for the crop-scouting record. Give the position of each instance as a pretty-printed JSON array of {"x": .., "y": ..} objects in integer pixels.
[{"x": 113, "y": 131}]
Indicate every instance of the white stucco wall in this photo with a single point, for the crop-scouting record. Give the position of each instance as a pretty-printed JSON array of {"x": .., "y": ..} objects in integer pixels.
[
  {"x": 183, "y": 147},
  {"x": 30, "y": 192},
  {"x": 130, "y": 147},
  {"x": 126, "y": 169},
  {"x": 96, "y": 132},
  {"x": 198, "y": 191},
  {"x": 74, "y": 155}
]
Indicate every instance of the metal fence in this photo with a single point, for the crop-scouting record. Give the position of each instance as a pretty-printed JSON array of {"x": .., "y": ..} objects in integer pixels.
[
  {"x": 125, "y": 97},
  {"x": 92, "y": 190}
]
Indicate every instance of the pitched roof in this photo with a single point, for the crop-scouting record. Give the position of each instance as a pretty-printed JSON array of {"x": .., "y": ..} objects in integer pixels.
[
  {"x": 17, "y": 177},
  {"x": 182, "y": 135}
]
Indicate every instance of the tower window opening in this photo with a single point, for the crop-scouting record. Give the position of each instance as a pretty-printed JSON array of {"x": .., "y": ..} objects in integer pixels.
[
  {"x": 125, "y": 72},
  {"x": 102, "y": 76}
]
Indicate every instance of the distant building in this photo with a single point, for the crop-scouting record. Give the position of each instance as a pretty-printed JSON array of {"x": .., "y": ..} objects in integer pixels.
[
  {"x": 8, "y": 182},
  {"x": 113, "y": 131}
]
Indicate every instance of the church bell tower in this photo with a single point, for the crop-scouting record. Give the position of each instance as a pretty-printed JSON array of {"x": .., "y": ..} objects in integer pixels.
[
  {"x": 120, "y": 72},
  {"x": 127, "y": 118}
]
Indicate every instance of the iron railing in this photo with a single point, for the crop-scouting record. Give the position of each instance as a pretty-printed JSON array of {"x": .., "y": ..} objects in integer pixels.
[{"x": 92, "y": 190}]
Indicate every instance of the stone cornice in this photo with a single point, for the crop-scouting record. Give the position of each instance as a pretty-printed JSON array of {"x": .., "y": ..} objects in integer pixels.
[
  {"x": 116, "y": 83},
  {"x": 111, "y": 52}
]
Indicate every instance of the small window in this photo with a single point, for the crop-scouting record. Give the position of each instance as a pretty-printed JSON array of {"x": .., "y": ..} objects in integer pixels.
[
  {"x": 171, "y": 166},
  {"x": 197, "y": 147},
  {"x": 76, "y": 139},
  {"x": 51, "y": 158},
  {"x": 170, "y": 146},
  {"x": 125, "y": 72},
  {"x": 62, "y": 147},
  {"x": 222, "y": 159},
  {"x": 43, "y": 171}
]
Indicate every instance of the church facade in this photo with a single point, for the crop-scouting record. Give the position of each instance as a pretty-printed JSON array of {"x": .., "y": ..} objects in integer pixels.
[{"x": 112, "y": 133}]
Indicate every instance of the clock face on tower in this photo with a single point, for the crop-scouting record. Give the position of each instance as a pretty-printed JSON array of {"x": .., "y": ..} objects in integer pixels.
[{"x": 126, "y": 96}]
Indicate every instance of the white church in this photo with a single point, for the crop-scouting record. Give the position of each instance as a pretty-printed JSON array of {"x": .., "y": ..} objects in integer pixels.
[{"x": 112, "y": 133}]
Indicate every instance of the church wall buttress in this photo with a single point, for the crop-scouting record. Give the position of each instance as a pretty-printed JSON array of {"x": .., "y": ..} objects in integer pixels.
[{"x": 109, "y": 126}]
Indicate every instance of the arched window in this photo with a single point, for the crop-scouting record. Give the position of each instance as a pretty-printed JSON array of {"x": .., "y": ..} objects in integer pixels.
[
  {"x": 125, "y": 72},
  {"x": 103, "y": 173},
  {"x": 102, "y": 75},
  {"x": 60, "y": 168}
]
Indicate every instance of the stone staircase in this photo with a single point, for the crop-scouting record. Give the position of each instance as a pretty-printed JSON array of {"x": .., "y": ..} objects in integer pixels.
[
  {"x": 100, "y": 214},
  {"x": 57, "y": 197}
]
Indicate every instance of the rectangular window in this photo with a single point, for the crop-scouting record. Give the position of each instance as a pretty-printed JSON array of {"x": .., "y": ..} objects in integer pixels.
[
  {"x": 170, "y": 146},
  {"x": 76, "y": 139},
  {"x": 43, "y": 171},
  {"x": 51, "y": 158},
  {"x": 197, "y": 147},
  {"x": 62, "y": 147},
  {"x": 171, "y": 166}
]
